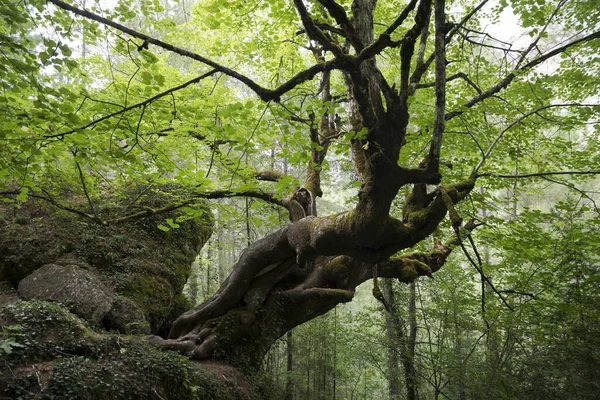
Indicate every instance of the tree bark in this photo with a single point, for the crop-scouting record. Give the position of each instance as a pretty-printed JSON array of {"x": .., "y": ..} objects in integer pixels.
[
  {"x": 393, "y": 345},
  {"x": 305, "y": 269},
  {"x": 289, "y": 385}
]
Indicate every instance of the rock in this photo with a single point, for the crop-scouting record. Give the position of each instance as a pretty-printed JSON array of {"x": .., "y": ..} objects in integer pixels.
[
  {"x": 126, "y": 317},
  {"x": 81, "y": 291},
  {"x": 49, "y": 353},
  {"x": 134, "y": 259}
]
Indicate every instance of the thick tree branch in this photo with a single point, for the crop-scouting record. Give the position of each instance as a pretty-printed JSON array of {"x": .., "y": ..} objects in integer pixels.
[
  {"x": 440, "y": 87},
  {"x": 384, "y": 40},
  {"x": 270, "y": 176},
  {"x": 408, "y": 47},
  {"x": 314, "y": 32},
  {"x": 264, "y": 93},
  {"x": 339, "y": 14}
]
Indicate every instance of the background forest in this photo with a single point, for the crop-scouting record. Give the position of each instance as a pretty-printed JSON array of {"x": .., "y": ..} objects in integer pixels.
[{"x": 169, "y": 99}]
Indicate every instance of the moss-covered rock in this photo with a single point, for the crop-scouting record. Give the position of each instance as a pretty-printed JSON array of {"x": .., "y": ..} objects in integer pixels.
[
  {"x": 79, "y": 289},
  {"x": 136, "y": 259},
  {"x": 50, "y": 353}
]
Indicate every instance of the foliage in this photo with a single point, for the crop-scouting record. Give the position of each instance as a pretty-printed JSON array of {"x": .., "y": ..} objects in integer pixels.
[{"x": 228, "y": 99}]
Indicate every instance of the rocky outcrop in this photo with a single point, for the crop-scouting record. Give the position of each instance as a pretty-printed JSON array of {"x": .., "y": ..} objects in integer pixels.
[
  {"x": 81, "y": 291},
  {"x": 125, "y": 276},
  {"x": 49, "y": 353}
]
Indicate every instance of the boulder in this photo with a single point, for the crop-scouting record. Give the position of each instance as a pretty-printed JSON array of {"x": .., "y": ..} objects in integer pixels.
[
  {"x": 126, "y": 317},
  {"x": 78, "y": 289},
  {"x": 47, "y": 352},
  {"x": 145, "y": 262}
]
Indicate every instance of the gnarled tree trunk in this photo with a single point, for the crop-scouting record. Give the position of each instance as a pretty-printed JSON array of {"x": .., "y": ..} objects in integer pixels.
[{"x": 304, "y": 270}]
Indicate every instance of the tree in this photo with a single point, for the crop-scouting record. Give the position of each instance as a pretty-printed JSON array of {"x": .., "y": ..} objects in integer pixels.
[{"x": 425, "y": 104}]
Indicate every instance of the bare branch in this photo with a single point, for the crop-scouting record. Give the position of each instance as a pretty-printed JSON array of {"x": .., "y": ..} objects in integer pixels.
[
  {"x": 85, "y": 190},
  {"x": 517, "y": 121},
  {"x": 134, "y": 106},
  {"x": 575, "y": 188},
  {"x": 421, "y": 68},
  {"x": 147, "y": 211},
  {"x": 458, "y": 75},
  {"x": 54, "y": 202},
  {"x": 537, "y": 174},
  {"x": 503, "y": 84},
  {"x": 480, "y": 270}
]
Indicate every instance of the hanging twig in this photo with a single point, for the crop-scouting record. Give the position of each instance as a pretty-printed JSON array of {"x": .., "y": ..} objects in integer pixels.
[
  {"x": 478, "y": 268},
  {"x": 85, "y": 190}
]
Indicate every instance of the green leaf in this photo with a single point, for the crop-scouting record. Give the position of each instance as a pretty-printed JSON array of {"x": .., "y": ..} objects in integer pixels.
[{"x": 163, "y": 228}]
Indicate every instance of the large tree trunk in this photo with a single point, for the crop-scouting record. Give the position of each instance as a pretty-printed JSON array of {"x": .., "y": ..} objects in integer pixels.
[{"x": 305, "y": 269}]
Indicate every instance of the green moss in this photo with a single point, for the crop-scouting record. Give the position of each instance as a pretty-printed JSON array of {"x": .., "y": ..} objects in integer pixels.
[
  {"x": 59, "y": 356},
  {"x": 136, "y": 372},
  {"x": 37, "y": 327},
  {"x": 336, "y": 269},
  {"x": 409, "y": 273},
  {"x": 152, "y": 294},
  {"x": 337, "y": 294},
  {"x": 418, "y": 218}
]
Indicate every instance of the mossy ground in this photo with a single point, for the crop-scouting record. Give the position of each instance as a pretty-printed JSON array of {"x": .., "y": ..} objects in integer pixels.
[{"x": 49, "y": 353}]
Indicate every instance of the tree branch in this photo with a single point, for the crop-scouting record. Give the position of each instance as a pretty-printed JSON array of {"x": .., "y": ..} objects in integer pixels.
[
  {"x": 458, "y": 75},
  {"x": 314, "y": 32},
  {"x": 264, "y": 93},
  {"x": 384, "y": 40},
  {"x": 408, "y": 47},
  {"x": 537, "y": 174},
  {"x": 134, "y": 106},
  {"x": 503, "y": 84},
  {"x": 518, "y": 120},
  {"x": 421, "y": 68},
  {"x": 440, "y": 87},
  {"x": 339, "y": 14},
  {"x": 55, "y": 203},
  {"x": 85, "y": 190}
]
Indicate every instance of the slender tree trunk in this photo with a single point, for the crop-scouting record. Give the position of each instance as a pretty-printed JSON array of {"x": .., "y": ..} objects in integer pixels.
[
  {"x": 221, "y": 252},
  {"x": 406, "y": 340},
  {"x": 393, "y": 345},
  {"x": 208, "y": 270},
  {"x": 409, "y": 367},
  {"x": 193, "y": 284},
  {"x": 289, "y": 386},
  {"x": 334, "y": 351}
]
